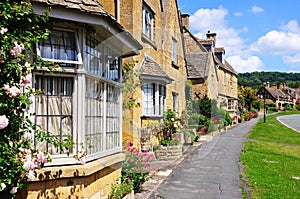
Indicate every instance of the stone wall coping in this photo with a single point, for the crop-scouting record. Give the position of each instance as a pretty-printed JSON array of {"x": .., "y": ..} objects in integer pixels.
[{"x": 71, "y": 171}]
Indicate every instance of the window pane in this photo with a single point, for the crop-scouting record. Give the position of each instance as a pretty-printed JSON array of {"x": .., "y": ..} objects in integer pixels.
[
  {"x": 148, "y": 99},
  {"x": 60, "y": 46},
  {"x": 53, "y": 108},
  {"x": 94, "y": 116},
  {"x": 162, "y": 99},
  {"x": 112, "y": 117},
  {"x": 112, "y": 65},
  {"x": 174, "y": 51},
  {"x": 94, "y": 56},
  {"x": 148, "y": 18}
]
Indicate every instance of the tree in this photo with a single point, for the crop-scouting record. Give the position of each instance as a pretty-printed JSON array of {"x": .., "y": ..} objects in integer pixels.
[{"x": 247, "y": 97}]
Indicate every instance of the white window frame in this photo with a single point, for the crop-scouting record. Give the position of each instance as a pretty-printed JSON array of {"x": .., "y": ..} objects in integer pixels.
[
  {"x": 174, "y": 51},
  {"x": 111, "y": 108},
  {"x": 148, "y": 22},
  {"x": 79, "y": 55},
  {"x": 154, "y": 103},
  {"x": 230, "y": 104}
]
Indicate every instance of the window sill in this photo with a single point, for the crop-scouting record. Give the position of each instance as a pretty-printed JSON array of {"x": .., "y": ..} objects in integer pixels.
[
  {"x": 69, "y": 171},
  {"x": 174, "y": 65},
  {"x": 151, "y": 117},
  {"x": 146, "y": 39}
]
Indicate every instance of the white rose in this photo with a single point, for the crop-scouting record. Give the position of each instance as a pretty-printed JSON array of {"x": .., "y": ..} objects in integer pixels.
[{"x": 3, "y": 121}]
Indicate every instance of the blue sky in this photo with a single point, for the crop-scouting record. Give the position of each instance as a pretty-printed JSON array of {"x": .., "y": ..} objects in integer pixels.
[{"x": 258, "y": 35}]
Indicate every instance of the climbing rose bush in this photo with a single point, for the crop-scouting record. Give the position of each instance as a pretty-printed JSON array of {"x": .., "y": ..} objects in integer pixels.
[{"x": 20, "y": 29}]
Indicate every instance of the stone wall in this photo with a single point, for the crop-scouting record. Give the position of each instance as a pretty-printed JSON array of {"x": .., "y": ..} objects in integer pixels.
[
  {"x": 168, "y": 152},
  {"x": 89, "y": 181}
]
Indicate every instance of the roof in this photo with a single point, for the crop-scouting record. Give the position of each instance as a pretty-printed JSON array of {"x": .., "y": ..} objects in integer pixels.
[
  {"x": 197, "y": 65},
  {"x": 226, "y": 66},
  {"x": 220, "y": 50},
  {"x": 90, "y": 6},
  {"x": 276, "y": 94},
  {"x": 94, "y": 9},
  {"x": 151, "y": 70}
]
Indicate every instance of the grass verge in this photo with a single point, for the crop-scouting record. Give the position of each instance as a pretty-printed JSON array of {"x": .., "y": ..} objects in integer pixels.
[{"x": 272, "y": 160}]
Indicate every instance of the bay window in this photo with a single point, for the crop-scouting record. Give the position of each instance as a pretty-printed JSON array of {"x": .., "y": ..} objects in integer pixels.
[{"x": 84, "y": 104}]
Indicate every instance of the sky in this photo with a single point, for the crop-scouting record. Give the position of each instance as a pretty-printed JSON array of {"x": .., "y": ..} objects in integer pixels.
[{"x": 258, "y": 35}]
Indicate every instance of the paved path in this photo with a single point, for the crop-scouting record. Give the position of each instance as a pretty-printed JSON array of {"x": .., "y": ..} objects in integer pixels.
[
  {"x": 211, "y": 171},
  {"x": 292, "y": 121}
]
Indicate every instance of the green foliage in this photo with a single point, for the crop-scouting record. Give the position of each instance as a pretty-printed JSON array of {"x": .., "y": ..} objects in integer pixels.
[
  {"x": 169, "y": 142},
  {"x": 130, "y": 82},
  {"x": 288, "y": 107},
  {"x": 136, "y": 167},
  {"x": 271, "y": 160},
  {"x": 119, "y": 190},
  {"x": 171, "y": 124},
  {"x": 255, "y": 80}
]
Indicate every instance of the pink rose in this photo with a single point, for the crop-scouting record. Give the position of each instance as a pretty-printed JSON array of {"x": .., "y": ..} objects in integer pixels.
[
  {"x": 27, "y": 80},
  {"x": 3, "y": 31},
  {"x": 13, "y": 91},
  {"x": 3, "y": 121},
  {"x": 13, "y": 190}
]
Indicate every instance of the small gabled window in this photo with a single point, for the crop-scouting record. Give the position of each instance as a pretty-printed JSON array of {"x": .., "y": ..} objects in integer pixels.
[{"x": 61, "y": 46}]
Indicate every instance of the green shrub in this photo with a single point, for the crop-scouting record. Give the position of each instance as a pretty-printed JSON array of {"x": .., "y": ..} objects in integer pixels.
[
  {"x": 169, "y": 142},
  {"x": 119, "y": 190}
]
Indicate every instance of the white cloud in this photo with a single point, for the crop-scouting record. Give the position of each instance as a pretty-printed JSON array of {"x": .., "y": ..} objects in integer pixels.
[
  {"x": 214, "y": 20},
  {"x": 248, "y": 64},
  {"x": 277, "y": 43},
  {"x": 256, "y": 9},
  {"x": 292, "y": 59},
  {"x": 238, "y": 14},
  {"x": 292, "y": 27}
]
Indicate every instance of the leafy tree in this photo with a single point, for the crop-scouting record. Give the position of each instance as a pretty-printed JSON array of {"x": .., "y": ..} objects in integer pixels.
[{"x": 247, "y": 97}]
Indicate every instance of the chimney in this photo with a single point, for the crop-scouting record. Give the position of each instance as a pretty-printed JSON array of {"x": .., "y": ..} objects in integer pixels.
[
  {"x": 211, "y": 36},
  {"x": 185, "y": 18},
  {"x": 267, "y": 84},
  {"x": 280, "y": 86},
  {"x": 274, "y": 86}
]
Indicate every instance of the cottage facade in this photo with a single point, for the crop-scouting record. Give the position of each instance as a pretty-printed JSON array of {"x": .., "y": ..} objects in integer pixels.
[
  {"x": 211, "y": 75},
  {"x": 156, "y": 24},
  {"x": 80, "y": 98}
]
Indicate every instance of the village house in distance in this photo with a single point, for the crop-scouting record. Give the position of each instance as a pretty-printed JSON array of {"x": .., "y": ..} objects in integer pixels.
[{"x": 211, "y": 75}]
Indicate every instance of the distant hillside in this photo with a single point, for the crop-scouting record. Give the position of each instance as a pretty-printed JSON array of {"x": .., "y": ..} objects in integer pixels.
[{"x": 256, "y": 79}]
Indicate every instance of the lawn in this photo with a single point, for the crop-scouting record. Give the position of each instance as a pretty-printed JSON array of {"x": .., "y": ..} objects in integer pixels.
[{"x": 271, "y": 160}]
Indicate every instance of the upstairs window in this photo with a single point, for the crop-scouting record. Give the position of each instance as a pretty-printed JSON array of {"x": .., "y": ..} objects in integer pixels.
[
  {"x": 148, "y": 21},
  {"x": 61, "y": 46},
  {"x": 174, "y": 51}
]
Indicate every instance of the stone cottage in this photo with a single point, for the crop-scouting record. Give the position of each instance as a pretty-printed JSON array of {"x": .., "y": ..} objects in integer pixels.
[
  {"x": 81, "y": 98},
  {"x": 156, "y": 24},
  {"x": 208, "y": 70}
]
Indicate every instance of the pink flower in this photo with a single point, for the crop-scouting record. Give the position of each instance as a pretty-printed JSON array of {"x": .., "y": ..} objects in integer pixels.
[
  {"x": 83, "y": 160},
  {"x": 3, "y": 121},
  {"x": 17, "y": 49},
  {"x": 27, "y": 79},
  {"x": 13, "y": 91},
  {"x": 14, "y": 190},
  {"x": 41, "y": 158},
  {"x": 3, "y": 31}
]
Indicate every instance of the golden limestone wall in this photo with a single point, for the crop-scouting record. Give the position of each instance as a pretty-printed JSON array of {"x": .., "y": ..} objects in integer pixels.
[
  {"x": 166, "y": 27},
  {"x": 90, "y": 181}
]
